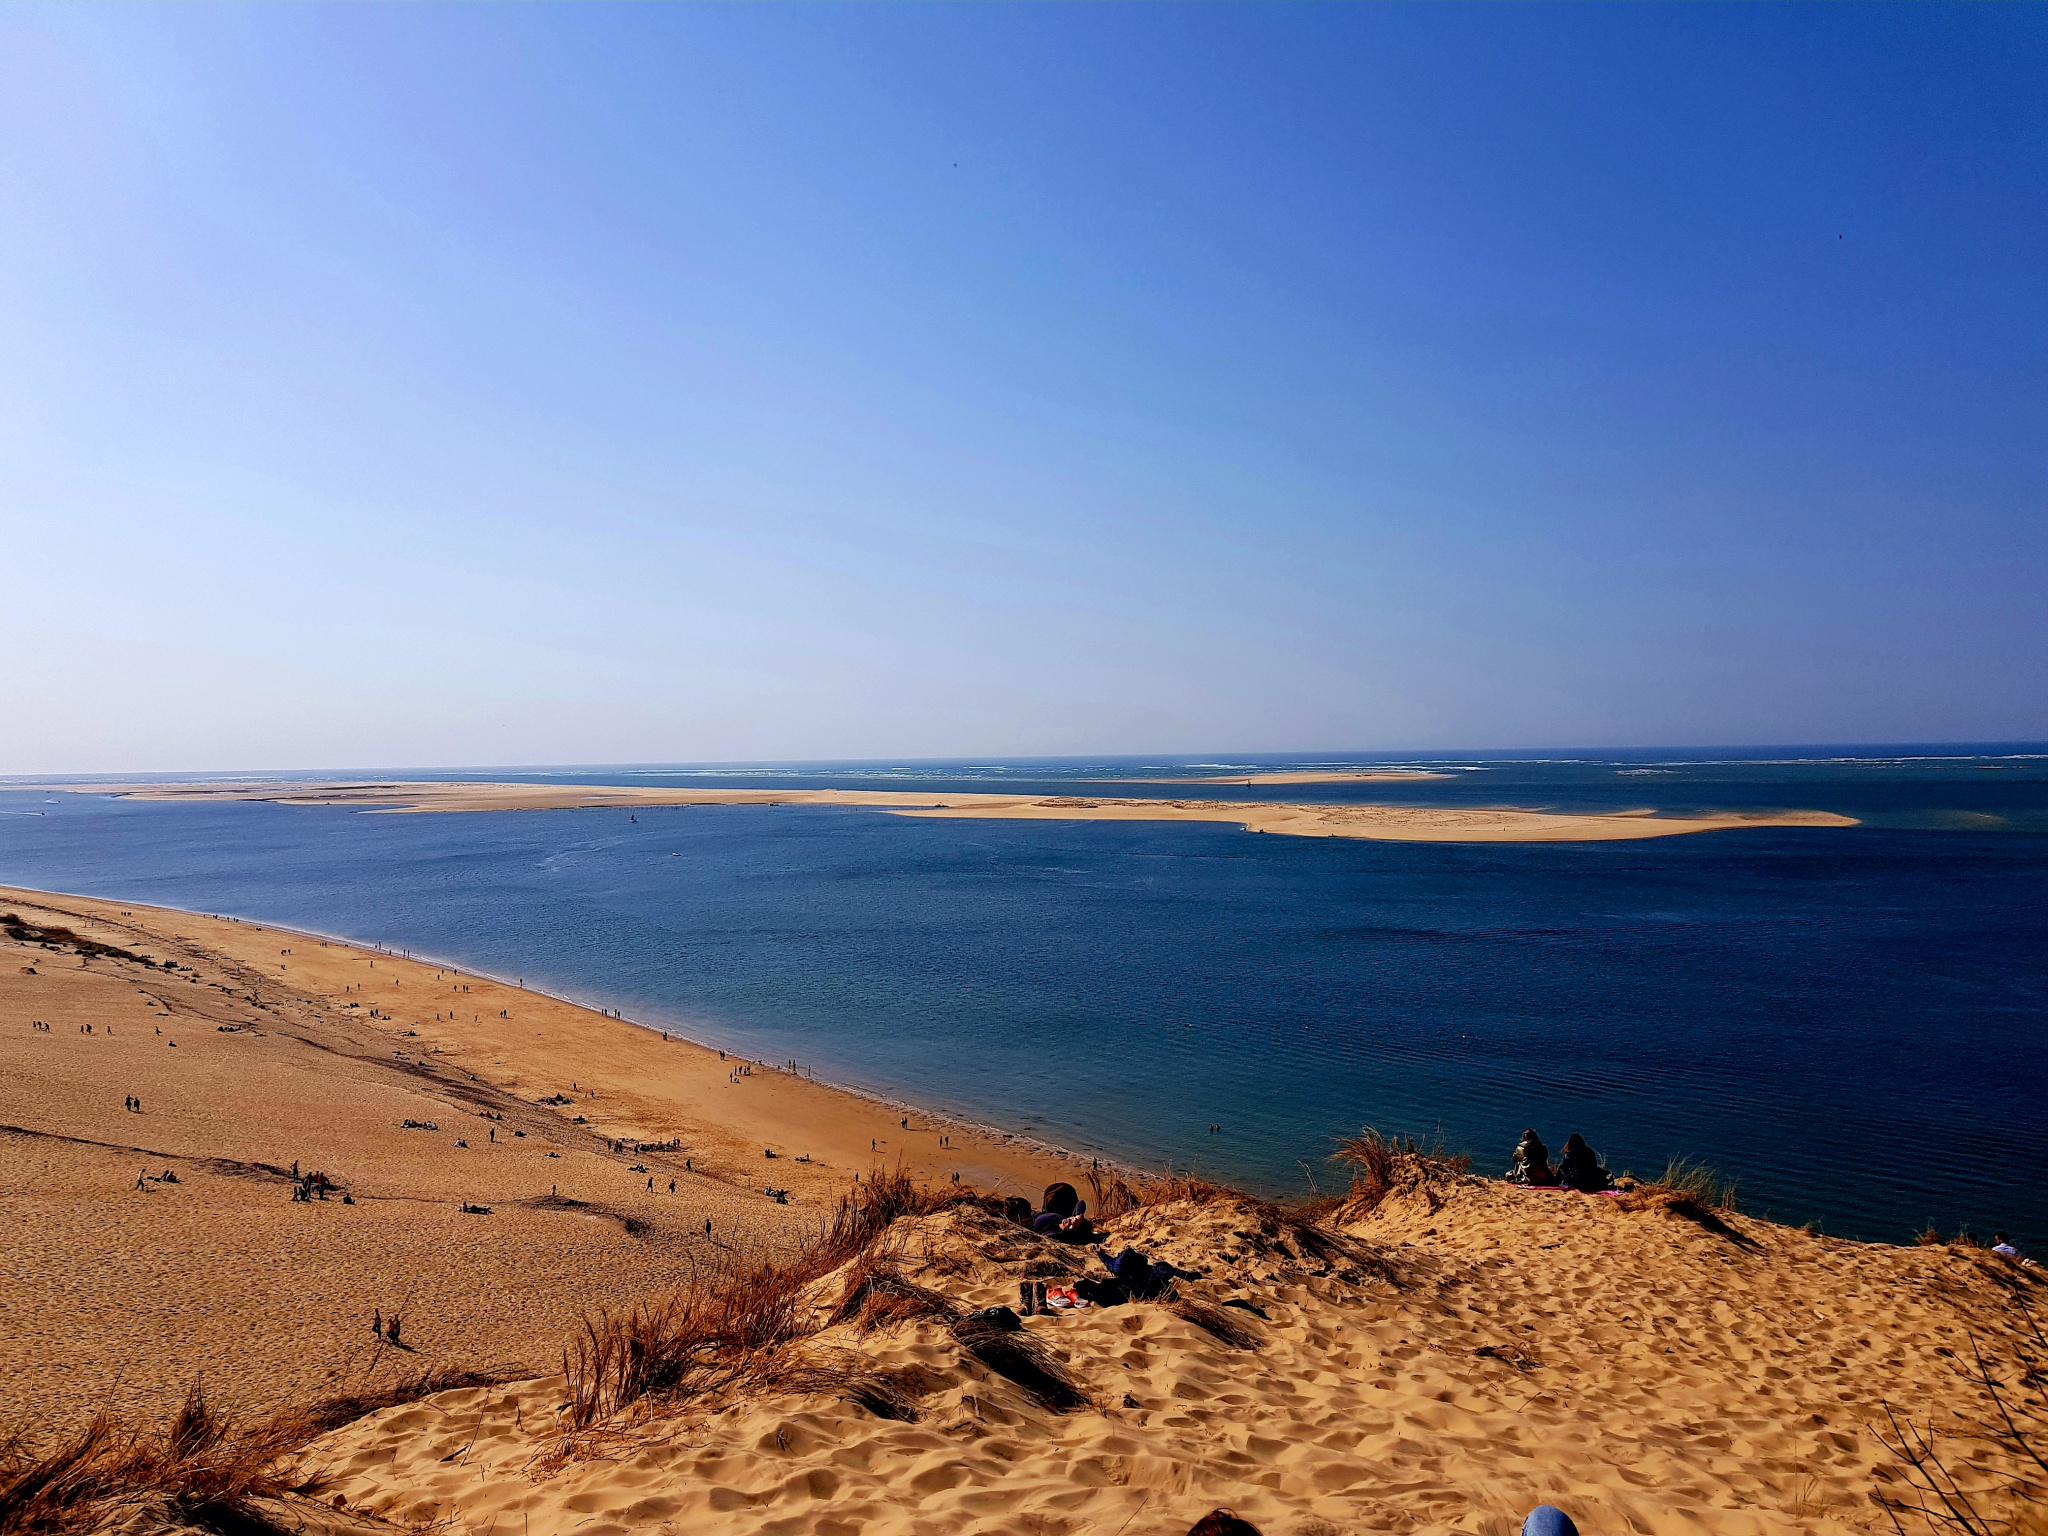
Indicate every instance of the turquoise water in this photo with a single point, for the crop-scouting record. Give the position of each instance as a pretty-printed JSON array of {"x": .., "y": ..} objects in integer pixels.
[{"x": 1850, "y": 1021}]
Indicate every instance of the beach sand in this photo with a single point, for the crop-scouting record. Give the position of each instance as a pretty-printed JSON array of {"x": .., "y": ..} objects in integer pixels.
[
  {"x": 1384, "y": 823},
  {"x": 290, "y": 1050},
  {"x": 1497, "y": 1348},
  {"x": 1436, "y": 1362}
]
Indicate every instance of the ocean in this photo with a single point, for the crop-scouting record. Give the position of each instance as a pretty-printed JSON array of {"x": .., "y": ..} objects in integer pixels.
[{"x": 1851, "y": 1022}]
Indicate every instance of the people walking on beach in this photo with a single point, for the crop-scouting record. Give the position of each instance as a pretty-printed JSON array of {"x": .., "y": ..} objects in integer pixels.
[
  {"x": 1531, "y": 1163},
  {"x": 1580, "y": 1168}
]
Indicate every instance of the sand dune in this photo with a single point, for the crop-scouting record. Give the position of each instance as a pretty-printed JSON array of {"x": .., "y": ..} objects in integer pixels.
[
  {"x": 1386, "y": 823},
  {"x": 1433, "y": 1361},
  {"x": 1496, "y": 1351}
]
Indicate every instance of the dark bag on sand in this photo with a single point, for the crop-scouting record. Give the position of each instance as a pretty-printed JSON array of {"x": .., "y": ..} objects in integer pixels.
[{"x": 1002, "y": 1319}]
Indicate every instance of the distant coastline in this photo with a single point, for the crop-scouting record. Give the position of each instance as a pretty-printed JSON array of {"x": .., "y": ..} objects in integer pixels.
[{"x": 1383, "y": 823}]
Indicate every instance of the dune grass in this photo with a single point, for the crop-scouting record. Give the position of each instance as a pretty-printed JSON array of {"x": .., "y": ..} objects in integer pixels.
[
  {"x": 749, "y": 1326},
  {"x": 1694, "y": 1182},
  {"x": 1381, "y": 1165},
  {"x": 205, "y": 1469}
]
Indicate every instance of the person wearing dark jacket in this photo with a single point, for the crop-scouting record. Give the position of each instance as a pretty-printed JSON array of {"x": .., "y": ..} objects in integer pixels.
[
  {"x": 1580, "y": 1167},
  {"x": 1532, "y": 1162},
  {"x": 1064, "y": 1218}
]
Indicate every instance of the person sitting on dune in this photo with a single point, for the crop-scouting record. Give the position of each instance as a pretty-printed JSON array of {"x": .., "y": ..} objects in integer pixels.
[
  {"x": 1064, "y": 1218},
  {"x": 1580, "y": 1167},
  {"x": 1532, "y": 1162}
]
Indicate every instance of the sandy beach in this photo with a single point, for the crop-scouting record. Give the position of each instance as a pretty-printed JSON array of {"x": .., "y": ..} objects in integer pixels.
[
  {"x": 1432, "y": 1357},
  {"x": 1385, "y": 823},
  {"x": 264, "y": 1050}
]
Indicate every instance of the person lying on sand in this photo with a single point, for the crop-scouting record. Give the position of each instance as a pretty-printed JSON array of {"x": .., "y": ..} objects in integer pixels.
[
  {"x": 1580, "y": 1168},
  {"x": 1532, "y": 1162},
  {"x": 1064, "y": 1218}
]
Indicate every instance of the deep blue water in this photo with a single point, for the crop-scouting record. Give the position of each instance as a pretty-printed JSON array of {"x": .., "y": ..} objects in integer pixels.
[{"x": 1853, "y": 1022}]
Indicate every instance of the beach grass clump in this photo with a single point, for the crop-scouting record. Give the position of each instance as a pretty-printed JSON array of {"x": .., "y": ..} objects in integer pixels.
[
  {"x": 205, "y": 1470},
  {"x": 1222, "y": 1323},
  {"x": 1291, "y": 1231},
  {"x": 731, "y": 1326},
  {"x": 1381, "y": 1165},
  {"x": 749, "y": 1326},
  {"x": 1695, "y": 1183}
]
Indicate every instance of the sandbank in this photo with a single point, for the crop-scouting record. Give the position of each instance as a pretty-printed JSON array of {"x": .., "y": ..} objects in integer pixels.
[
  {"x": 1384, "y": 823},
  {"x": 1300, "y": 776}
]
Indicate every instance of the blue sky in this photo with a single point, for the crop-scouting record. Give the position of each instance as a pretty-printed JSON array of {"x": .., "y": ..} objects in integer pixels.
[{"x": 452, "y": 384}]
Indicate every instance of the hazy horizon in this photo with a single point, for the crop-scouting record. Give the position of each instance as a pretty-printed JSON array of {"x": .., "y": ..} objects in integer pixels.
[
  {"x": 1760, "y": 753},
  {"x": 804, "y": 383}
]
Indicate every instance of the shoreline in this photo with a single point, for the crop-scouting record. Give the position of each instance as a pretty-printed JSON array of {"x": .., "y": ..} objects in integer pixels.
[
  {"x": 1383, "y": 823},
  {"x": 955, "y": 1121},
  {"x": 492, "y": 1181}
]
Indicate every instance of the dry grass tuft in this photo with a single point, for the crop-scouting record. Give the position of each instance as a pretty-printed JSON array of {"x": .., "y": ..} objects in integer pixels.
[
  {"x": 749, "y": 1326},
  {"x": 1692, "y": 1192},
  {"x": 205, "y": 1470},
  {"x": 878, "y": 1296},
  {"x": 872, "y": 1207},
  {"x": 1223, "y": 1323},
  {"x": 731, "y": 1326},
  {"x": 1296, "y": 1232},
  {"x": 1024, "y": 1360},
  {"x": 1384, "y": 1165},
  {"x": 1693, "y": 1182}
]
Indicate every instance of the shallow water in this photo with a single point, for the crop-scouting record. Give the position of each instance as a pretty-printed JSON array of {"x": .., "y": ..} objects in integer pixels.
[{"x": 1850, "y": 1021}]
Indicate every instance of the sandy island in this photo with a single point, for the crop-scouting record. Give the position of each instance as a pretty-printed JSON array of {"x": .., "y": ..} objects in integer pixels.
[
  {"x": 1300, "y": 776},
  {"x": 1384, "y": 823},
  {"x": 1429, "y": 1358}
]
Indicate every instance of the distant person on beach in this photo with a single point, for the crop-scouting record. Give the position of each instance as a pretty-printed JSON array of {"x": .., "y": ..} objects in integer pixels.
[
  {"x": 1580, "y": 1167},
  {"x": 2002, "y": 1246},
  {"x": 1064, "y": 1218},
  {"x": 1532, "y": 1162}
]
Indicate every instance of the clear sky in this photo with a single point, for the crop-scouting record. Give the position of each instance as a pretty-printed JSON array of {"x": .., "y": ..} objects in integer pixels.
[{"x": 464, "y": 385}]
